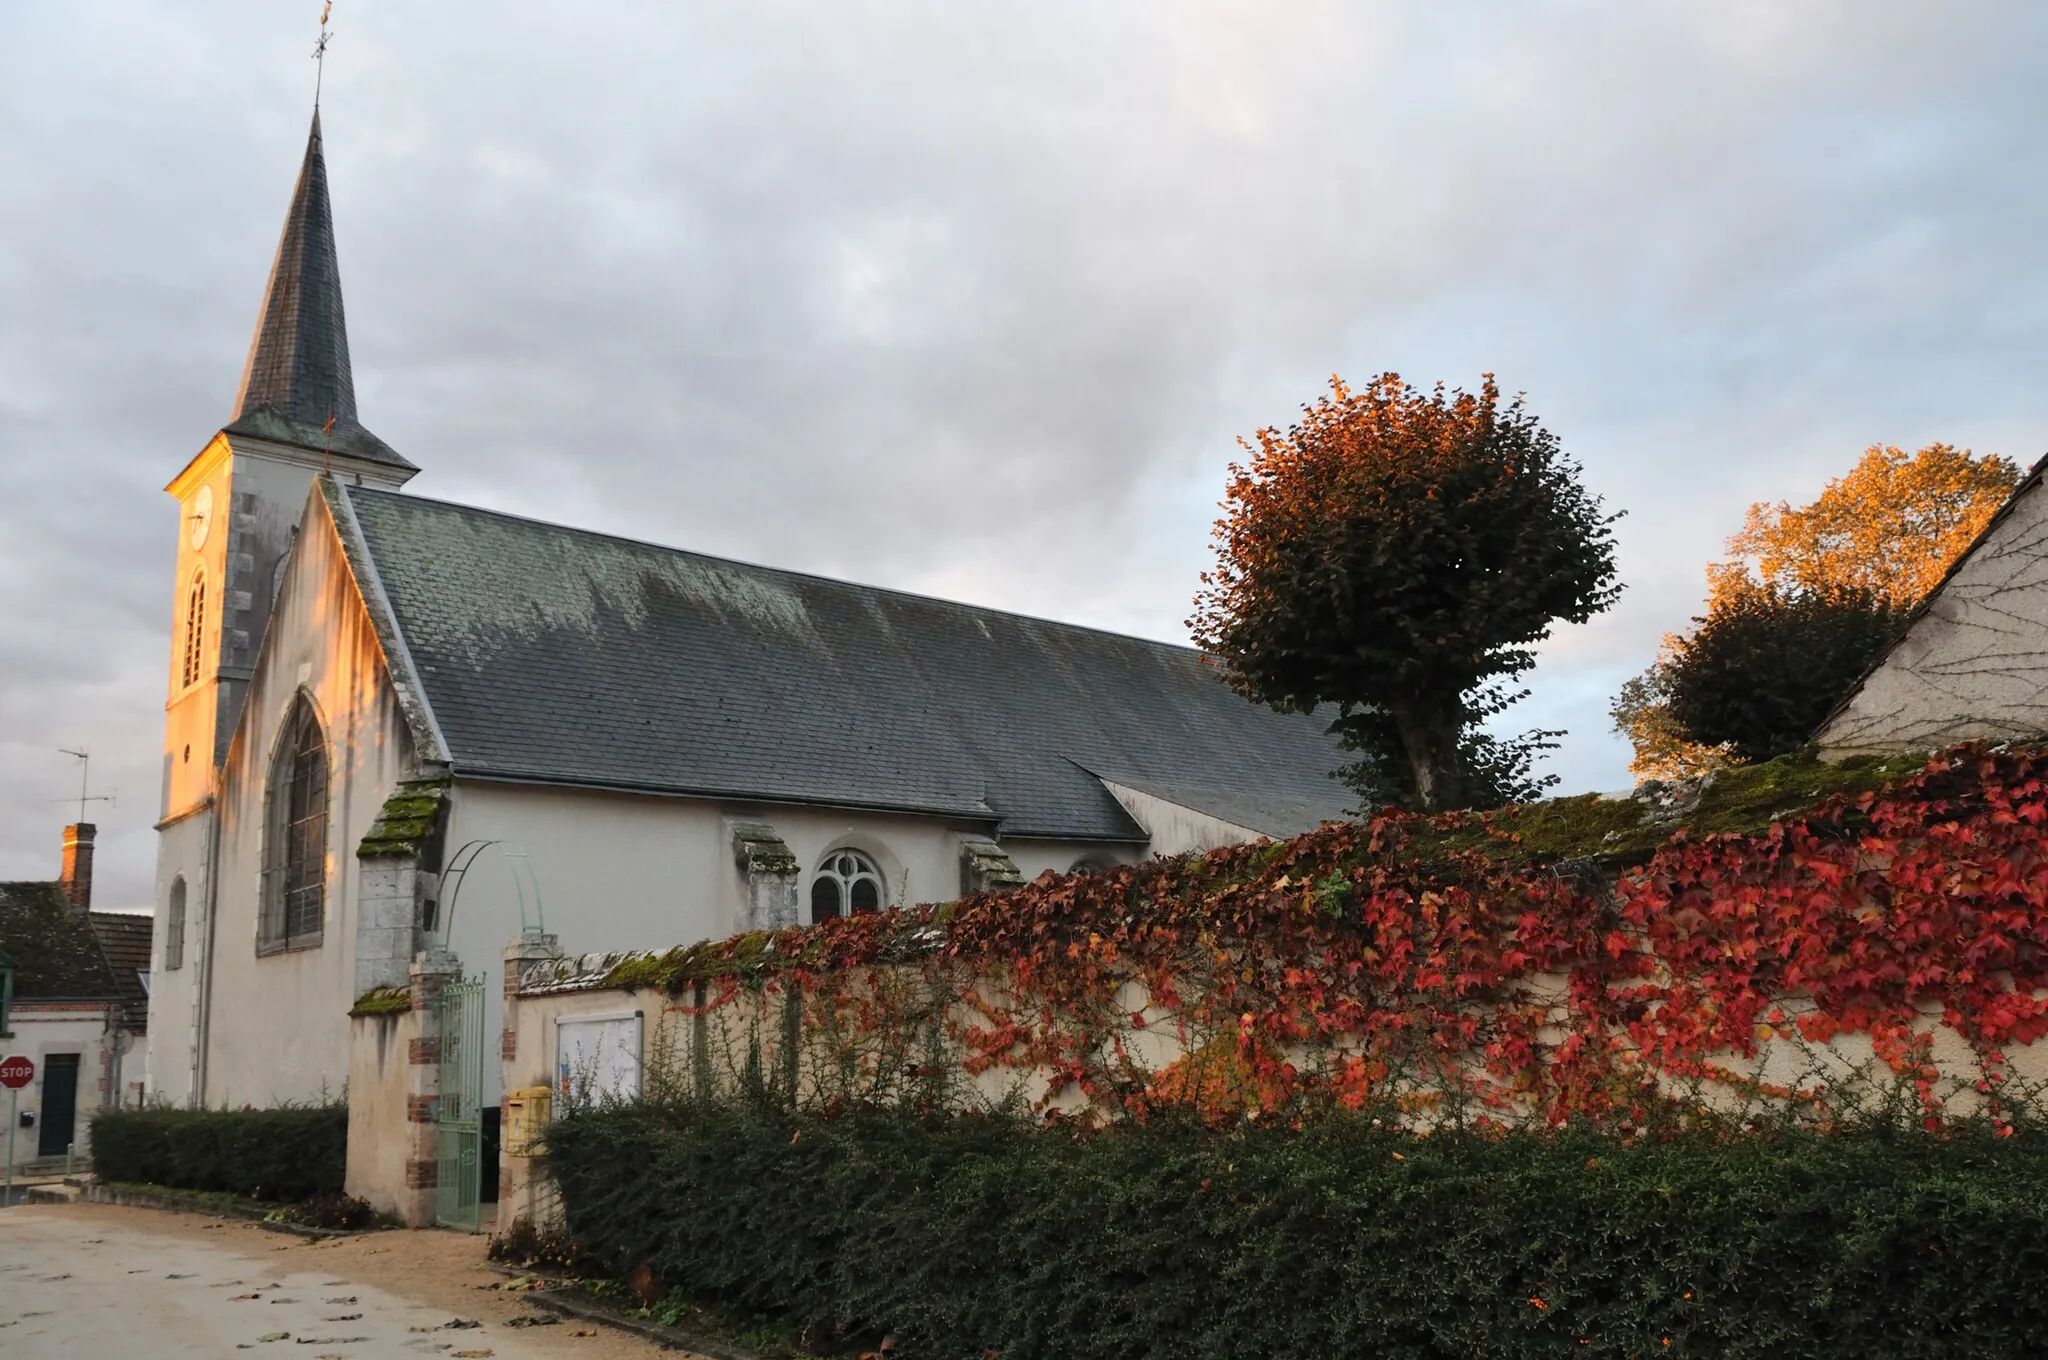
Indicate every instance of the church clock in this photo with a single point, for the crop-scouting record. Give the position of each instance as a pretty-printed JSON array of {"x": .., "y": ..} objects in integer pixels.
[{"x": 201, "y": 519}]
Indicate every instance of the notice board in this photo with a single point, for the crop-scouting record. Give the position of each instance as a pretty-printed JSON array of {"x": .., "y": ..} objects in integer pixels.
[{"x": 596, "y": 1057}]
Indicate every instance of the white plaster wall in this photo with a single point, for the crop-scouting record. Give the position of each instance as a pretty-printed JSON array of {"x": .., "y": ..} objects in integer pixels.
[
  {"x": 379, "y": 1133},
  {"x": 1034, "y": 857},
  {"x": 637, "y": 872},
  {"x": 1975, "y": 665},
  {"x": 1177, "y": 830},
  {"x": 37, "y": 1034},
  {"x": 182, "y": 849},
  {"x": 278, "y": 1028}
]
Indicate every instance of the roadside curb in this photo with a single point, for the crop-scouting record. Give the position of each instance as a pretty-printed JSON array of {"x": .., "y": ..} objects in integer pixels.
[
  {"x": 246, "y": 1210},
  {"x": 567, "y": 1303}
]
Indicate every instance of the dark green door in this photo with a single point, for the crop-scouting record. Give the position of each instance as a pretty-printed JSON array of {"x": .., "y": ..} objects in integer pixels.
[{"x": 60, "y": 1104}]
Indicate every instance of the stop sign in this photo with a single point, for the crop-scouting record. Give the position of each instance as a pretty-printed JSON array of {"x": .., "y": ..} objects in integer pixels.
[{"x": 17, "y": 1072}]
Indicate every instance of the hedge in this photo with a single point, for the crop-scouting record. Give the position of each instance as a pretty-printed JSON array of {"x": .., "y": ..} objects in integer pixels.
[
  {"x": 288, "y": 1153},
  {"x": 964, "y": 1235}
]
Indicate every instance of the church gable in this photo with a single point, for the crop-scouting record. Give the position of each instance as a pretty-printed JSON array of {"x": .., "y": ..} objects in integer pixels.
[{"x": 1973, "y": 662}]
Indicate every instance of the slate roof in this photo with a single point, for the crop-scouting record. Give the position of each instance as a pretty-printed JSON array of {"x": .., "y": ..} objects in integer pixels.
[
  {"x": 55, "y": 953},
  {"x": 554, "y": 654},
  {"x": 125, "y": 939},
  {"x": 298, "y": 373}
]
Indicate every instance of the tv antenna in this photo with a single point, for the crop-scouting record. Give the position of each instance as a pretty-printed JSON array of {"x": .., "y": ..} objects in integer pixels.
[{"x": 84, "y": 759}]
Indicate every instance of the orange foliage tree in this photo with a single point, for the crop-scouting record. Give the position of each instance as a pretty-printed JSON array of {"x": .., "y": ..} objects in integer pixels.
[
  {"x": 1890, "y": 528},
  {"x": 1393, "y": 555}
]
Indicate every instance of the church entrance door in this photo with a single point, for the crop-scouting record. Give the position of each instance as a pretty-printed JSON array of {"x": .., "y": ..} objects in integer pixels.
[{"x": 458, "y": 1112}]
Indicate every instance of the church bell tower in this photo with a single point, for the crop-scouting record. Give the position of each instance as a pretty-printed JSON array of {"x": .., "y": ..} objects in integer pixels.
[{"x": 239, "y": 502}]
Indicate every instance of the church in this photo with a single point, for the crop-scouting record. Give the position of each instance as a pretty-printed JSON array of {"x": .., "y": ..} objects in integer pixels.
[{"x": 396, "y": 723}]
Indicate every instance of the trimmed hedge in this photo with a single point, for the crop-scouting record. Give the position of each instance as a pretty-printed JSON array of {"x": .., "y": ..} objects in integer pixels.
[
  {"x": 289, "y": 1153},
  {"x": 963, "y": 1235}
]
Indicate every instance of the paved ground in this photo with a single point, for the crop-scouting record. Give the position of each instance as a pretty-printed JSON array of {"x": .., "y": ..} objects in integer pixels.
[{"x": 79, "y": 1282}]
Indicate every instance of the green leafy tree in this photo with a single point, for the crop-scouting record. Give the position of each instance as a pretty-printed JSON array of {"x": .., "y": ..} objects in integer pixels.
[
  {"x": 1761, "y": 671},
  {"x": 1395, "y": 555}
]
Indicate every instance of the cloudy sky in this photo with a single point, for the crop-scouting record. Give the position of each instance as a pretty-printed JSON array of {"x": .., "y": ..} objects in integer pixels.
[{"x": 975, "y": 298}]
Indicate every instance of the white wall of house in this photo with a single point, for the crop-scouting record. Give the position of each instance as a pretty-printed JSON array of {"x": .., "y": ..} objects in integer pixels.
[
  {"x": 1975, "y": 665},
  {"x": 41, "y": 1029}
]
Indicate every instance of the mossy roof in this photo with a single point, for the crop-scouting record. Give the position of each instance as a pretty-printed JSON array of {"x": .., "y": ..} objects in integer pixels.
[{"x": 55, "y": 954}]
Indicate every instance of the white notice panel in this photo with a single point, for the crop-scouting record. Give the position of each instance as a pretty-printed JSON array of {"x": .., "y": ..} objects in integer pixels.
[{"x": 597, "y": 1056}]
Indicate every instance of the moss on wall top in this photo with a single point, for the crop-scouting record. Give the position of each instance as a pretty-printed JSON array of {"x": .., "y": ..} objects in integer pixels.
[
  {"x": 382, "y": 1001},
  {"x": 1747, "y": 798},
  {"x": 407, "y": 818}
]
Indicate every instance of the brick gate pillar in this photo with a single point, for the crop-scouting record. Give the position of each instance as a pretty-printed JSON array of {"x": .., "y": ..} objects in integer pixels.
[{"x": 430, "y": 973}]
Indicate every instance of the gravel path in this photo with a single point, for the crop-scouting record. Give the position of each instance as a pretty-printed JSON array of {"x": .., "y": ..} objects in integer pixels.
[{"x": 138, "y": 1284}]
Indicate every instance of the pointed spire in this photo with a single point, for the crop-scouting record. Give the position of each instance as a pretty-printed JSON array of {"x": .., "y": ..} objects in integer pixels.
[{"x": 297, "y": 377}]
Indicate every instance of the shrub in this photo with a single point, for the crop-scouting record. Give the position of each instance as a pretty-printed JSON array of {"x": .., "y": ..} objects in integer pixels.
[
  {"x": 292, "y": 1152},
  {"x": 970, "y": 1235}
]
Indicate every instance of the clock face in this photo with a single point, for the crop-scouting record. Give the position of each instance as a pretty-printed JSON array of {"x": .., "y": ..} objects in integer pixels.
[{"x": 201, "y": 518}]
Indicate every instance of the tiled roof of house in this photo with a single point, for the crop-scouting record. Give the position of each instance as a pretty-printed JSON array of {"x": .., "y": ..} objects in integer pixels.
[
  {"x": 125, "y": 939},
  {"x": 554, "y": 654},
  {"x": 56, "y": 956}
]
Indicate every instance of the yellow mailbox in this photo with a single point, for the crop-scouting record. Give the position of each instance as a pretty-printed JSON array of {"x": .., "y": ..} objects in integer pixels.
[{"x": 526, "y": 1114}]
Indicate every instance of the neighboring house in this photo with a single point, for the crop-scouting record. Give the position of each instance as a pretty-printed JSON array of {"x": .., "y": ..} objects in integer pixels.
[
  {"x": 382, "y": 706},
  {"x": 1972, "y": 663},
  {"x": 125, "y": 938},
  {"x": 64, "y": 1008}
]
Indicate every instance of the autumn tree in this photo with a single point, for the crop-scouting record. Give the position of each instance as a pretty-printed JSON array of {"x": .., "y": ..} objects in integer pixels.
[
  {"x": 1890, "y": 528},
  {"x": 1765, "y": 666},
  {"x": 1394, "y": 555},
  {"x": 1823, "y": 580}
]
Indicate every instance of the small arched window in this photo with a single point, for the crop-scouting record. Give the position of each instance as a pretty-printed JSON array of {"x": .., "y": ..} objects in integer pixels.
[
  {"x": 847, "y": 882},
  {"x": 192, "y": 665},
  {"x": 295, "y": 859},
  {"x": 174, "y": 926}
]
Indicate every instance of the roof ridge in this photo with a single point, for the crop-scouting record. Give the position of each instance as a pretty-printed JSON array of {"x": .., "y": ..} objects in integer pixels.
[{"x": 790, "y": 572}]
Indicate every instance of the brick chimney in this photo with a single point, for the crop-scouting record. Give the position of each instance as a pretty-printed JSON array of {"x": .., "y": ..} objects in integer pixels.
[{"x": 76, "y": 879}]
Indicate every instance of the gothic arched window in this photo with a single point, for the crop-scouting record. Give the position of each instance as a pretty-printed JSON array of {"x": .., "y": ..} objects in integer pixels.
[
  {"x": 192, "y": 665},
  {"x": 174, "y": 926},
  {"x": 847, "y": 882},
  {"x": 295, "y": 858}
]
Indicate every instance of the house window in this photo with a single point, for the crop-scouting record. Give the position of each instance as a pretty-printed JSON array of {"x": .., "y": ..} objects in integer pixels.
[
  {"x": 195, "y": 632},
  {"x": 174, "y": 926},
  {"x": 847, "y": 882},
  {"x": 295, "y": 844}
]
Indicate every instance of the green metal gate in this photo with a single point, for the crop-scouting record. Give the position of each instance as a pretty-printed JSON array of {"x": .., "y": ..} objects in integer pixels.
[{"x": 458, "y": 1115}]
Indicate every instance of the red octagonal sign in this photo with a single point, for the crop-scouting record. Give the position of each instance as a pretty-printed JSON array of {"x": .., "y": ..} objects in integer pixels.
[{"x": 17, "y": 1072}]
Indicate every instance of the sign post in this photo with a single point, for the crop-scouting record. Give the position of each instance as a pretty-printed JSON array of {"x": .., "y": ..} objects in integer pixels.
[{"x": 15, "y": 1073}]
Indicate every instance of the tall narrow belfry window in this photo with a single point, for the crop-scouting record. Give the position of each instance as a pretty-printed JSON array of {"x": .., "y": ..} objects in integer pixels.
[
  {"x": 174, "y": 926},
  {"x": 846, "y": 883},
  {"x": 295, "y": 843},
  {"x": 195, "y": 632}
]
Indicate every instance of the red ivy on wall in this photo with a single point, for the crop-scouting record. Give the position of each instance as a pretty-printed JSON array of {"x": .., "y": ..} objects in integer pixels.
[{"x": 1354, "y": 964}]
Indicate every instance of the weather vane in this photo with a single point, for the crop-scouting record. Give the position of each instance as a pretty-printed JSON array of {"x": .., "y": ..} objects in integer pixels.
[
  {"x": 320, "y": 51},
  {"x": 84, "y": 759}
]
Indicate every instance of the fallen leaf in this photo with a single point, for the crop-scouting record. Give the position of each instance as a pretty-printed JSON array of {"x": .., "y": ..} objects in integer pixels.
[
  {"x": 346, "y": 1298},
  {"x": 472, "y": 1355},
  {"x": 237, "y": 1298},
  {"x": 275, "y": 1336},
  {"x": 342, "y": 1317}
]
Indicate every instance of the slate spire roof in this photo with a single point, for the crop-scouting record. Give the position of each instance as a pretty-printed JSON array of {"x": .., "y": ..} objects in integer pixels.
[{"x": 297, "y": 375}]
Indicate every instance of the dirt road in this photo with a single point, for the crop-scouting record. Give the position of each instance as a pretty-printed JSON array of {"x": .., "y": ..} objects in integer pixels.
[{"x": 88, "y": 1281}]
